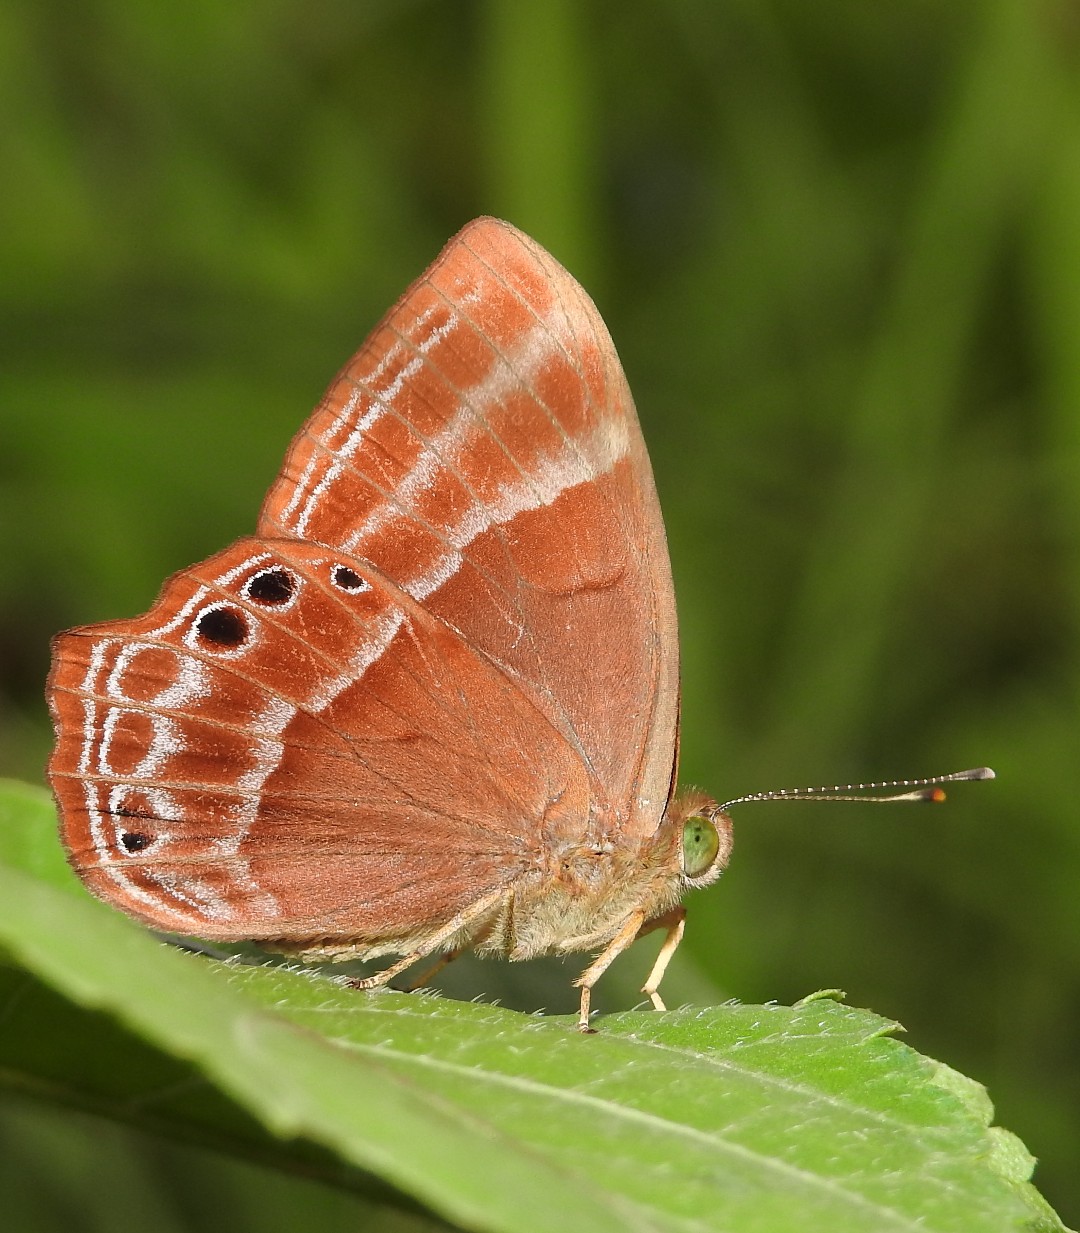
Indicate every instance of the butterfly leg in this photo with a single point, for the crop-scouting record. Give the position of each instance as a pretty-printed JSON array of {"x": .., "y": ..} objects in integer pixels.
[
  {"x": 674, "y": 922},
  {"x": 446, "y": 957},
  {"x": 602, "y": 962},
  {"x": 464, "y": 918}
]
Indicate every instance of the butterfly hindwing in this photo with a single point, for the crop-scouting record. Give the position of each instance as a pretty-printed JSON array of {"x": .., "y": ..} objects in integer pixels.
[{"x": 288, "y": 746}]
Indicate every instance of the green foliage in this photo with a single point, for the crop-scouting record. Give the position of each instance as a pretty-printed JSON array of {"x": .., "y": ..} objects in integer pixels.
[
  {"x": 837, "y": 246},
  {"x": 751, "y": 1117}
]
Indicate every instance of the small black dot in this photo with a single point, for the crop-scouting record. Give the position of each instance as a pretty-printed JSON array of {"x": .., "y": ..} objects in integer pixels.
[
  {"x": 135, "y": 841},
  {"x": 127, "y": 811},
  {"x": 347, "y": 579},
  {"x": 271, "y": 586},
  {"x": 222, "y": 627}
]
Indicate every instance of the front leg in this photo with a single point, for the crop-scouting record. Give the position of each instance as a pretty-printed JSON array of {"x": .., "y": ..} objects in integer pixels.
[
  {"x": 636, "y": 927},
  {"x": 602, "y": 962},
  {"x": 674, "y": 922}
]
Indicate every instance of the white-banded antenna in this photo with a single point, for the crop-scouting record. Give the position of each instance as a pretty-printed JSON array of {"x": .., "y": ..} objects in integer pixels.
[{"x": 909, "y": 790}]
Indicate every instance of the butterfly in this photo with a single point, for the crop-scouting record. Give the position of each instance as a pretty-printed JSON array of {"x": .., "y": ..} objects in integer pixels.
[{"x": 433, "y": 703}]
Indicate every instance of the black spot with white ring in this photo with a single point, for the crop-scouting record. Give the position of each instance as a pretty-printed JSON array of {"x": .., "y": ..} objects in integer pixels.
[
  {"x": 348, "y": 580},
  {"x": 274, "y": 587},
  {"x": 135, "y": 841},
  {"x": 222, "y": 627}
]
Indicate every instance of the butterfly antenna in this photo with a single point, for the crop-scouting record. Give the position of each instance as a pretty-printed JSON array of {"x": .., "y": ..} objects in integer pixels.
[{"x": 888, "y": 790}]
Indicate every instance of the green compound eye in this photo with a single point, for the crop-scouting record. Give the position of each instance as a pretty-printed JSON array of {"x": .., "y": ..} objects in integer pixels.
[{"x": 700, "y": 843}]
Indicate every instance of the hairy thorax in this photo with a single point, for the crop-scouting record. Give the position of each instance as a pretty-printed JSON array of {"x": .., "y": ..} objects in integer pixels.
[{"x": 582, "y": 896}]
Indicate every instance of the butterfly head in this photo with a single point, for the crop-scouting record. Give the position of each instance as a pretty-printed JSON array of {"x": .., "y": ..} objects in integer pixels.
[{"x": 705, "y": 838}]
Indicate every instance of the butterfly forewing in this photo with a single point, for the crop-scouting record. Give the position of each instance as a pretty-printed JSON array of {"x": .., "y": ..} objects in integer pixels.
[{"x": 482, "y": 449}]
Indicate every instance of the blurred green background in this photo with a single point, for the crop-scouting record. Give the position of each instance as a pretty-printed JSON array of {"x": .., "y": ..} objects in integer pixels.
[{"x": 838, "y": 247}]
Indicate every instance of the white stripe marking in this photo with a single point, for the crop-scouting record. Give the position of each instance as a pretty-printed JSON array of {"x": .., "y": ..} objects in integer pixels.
[
  {"x": 382, "y": 400},
  {"x": 381, "y": 633}
]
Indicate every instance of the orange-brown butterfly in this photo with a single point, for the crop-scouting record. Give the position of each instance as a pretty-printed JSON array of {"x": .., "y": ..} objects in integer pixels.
[{"x": 434, "y": 702}]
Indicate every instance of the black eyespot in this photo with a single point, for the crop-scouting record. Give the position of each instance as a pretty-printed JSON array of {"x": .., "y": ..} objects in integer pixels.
[
  {"x": 347, "y": 579},
  {"x": 222, "y": 627},
  {"x": 271, "y": 586},
  {"x": 135, "y": 841}
]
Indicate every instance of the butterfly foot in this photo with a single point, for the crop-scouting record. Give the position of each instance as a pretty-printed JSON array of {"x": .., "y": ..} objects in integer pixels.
[
  {"x": 364, "y": 982},
  {"x": 655, "y": 998},
  {"x": 583, "y": 1014}
]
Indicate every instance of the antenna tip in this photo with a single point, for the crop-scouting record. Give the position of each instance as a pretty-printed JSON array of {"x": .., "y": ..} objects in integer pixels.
[{"x": 980, "y": 772}]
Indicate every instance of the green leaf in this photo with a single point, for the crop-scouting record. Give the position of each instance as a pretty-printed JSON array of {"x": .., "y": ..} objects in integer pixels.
[{"x": 748, "y": 1117}]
